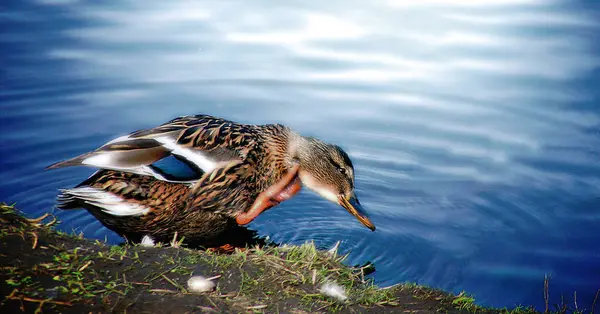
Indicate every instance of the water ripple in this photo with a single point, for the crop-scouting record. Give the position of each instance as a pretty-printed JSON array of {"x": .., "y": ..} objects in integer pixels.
[{"x": 473, "y": 125}]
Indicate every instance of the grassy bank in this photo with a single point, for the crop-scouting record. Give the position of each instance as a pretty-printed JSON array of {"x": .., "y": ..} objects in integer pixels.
[{"x": 43, "y": 270}]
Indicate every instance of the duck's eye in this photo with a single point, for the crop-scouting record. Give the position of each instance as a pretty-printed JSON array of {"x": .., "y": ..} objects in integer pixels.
[{"x": 341, "y": 170}]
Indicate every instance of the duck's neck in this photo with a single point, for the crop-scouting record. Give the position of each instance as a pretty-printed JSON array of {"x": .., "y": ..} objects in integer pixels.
[
  {"x": 287, "y": 146},
  {"x": 282, "y": 147}
]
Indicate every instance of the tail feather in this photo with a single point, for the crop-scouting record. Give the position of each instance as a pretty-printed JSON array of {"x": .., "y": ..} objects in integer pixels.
[
  {"x": 84, "y": 197},
  {"x": 66, "y": 201}
]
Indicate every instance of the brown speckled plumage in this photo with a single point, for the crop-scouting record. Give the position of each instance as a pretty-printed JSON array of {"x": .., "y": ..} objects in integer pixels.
[
  {"x": 168, "y": 214},
  {"x": 245, "y": 160}
]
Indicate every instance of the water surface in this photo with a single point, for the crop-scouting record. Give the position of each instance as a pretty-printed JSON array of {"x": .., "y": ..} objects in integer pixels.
[{"x": 473, "y": 126}]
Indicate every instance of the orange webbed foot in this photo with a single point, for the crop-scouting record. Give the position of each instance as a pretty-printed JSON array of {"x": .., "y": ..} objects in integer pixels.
[{"x": 225, "y": 249}]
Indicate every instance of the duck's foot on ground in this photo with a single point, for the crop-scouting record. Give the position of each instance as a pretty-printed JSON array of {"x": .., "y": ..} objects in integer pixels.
[{"x": 225, "y": 249}]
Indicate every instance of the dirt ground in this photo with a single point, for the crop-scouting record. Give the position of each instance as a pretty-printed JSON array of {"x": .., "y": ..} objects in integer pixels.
[{"x": 45, "y": 271}]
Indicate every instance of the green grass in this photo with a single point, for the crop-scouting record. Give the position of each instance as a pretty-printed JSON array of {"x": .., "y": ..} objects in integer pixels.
[
  {"x": 81, "y": 270},
  {"x": 466, "y": 302},
  {"x": 297, "y": 271},
  {"x": 7, "y": 209}
]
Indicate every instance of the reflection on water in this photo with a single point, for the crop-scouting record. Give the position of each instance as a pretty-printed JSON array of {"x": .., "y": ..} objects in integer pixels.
[{"x": 473, "y": 125}]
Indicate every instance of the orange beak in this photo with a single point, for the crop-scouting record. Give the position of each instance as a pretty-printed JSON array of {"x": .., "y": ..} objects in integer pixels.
[{"x": 352, "y": 205}]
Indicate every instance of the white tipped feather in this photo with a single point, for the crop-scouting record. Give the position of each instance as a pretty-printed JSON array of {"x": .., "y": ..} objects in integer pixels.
[
  {"x": 108, "y": 202},
  {"x": 145, "y": 170},
  {"x": 196, "y": 156},
  {"x": 101, "y": 160},
  {"x": 105, "y": 161},
  {"x": 119, "y": 139}
]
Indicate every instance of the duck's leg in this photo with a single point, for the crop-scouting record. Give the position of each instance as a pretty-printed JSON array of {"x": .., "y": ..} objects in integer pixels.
[
  {"x": 225, "y": 249},
  {"x": 283, "y": 190}
]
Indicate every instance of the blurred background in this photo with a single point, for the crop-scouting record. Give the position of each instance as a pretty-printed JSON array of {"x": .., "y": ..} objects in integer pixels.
[{"x": 474, "y": 126}]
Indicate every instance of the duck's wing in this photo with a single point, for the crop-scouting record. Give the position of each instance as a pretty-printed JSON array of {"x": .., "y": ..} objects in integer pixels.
[
  {"x": 201, "y": 141},
  {"x": 227, "y": 191}
]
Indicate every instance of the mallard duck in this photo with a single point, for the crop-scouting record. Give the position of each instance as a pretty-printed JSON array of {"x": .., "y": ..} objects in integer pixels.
[{"x": 245, "y": 169}]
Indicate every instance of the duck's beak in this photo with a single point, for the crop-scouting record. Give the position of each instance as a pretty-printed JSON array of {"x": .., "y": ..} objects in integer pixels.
[{"x": 352, "y": 205}]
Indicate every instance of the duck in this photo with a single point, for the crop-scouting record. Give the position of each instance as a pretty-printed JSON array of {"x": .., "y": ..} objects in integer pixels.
[{"x": 243, "y": 170}]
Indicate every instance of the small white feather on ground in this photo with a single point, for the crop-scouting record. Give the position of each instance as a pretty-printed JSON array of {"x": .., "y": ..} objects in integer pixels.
[
  {"x": 334, "y": 290},
  {"x": 147, "y": 241},
  {"x": 199, "y": 284},
  {"x": 333, "y": 251}
]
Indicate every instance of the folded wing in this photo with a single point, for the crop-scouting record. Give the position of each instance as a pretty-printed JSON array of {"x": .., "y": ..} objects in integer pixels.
[{"x": 203, "y": 142}]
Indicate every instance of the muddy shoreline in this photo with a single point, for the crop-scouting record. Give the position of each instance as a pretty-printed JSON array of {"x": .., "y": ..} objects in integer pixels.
[{"x": 46, "y": 271}]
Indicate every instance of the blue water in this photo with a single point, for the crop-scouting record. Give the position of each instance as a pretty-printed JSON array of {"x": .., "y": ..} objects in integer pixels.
[{"x": 474, "y": 127}]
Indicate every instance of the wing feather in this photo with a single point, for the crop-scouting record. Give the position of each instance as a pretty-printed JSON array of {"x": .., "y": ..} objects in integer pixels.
[{"x": 203, "y": 141}]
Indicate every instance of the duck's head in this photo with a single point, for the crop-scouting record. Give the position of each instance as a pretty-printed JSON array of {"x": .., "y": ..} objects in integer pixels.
[{"x": 327, "y": 170}]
